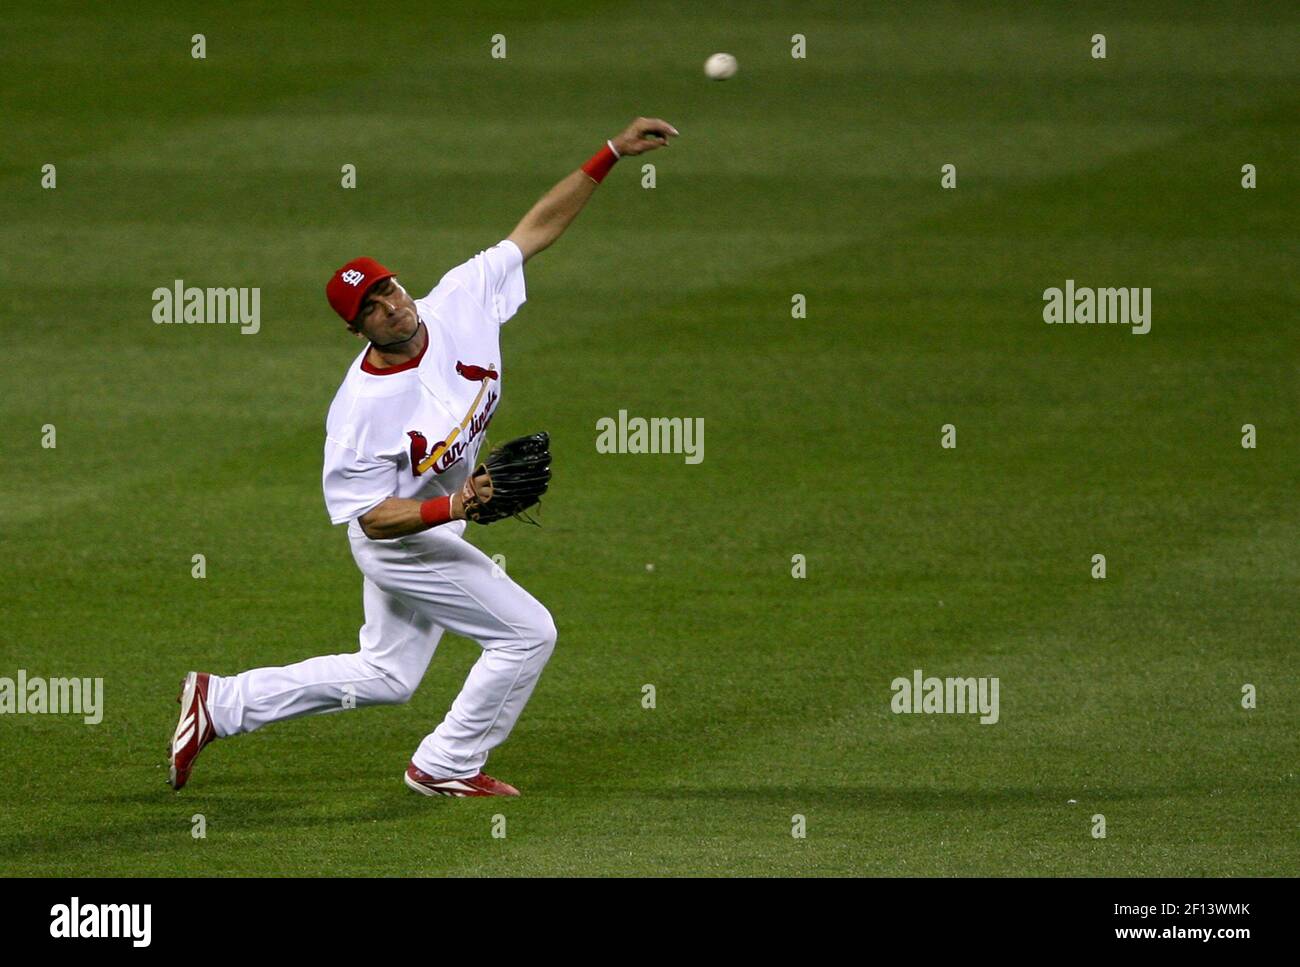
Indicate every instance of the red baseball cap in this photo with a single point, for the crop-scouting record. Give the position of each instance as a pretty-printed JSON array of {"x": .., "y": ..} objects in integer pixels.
[{"x": 347, "y": 287}]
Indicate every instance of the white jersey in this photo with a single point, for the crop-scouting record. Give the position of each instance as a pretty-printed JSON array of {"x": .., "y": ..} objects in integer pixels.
[{"x": 414, "y": 430}]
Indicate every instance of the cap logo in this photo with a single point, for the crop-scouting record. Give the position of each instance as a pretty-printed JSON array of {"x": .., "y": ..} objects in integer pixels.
[{"x": 353, "y": 277}]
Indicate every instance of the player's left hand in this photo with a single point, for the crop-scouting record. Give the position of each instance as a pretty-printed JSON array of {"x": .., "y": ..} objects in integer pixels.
[
  {"x": 512, "y": 479},
  {"x": 642, "y": 135},
  {"x": 476, "y": 492}
]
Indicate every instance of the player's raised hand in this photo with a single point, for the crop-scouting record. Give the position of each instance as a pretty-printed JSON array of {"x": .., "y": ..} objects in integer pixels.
[{"x": 642, "y": 135}]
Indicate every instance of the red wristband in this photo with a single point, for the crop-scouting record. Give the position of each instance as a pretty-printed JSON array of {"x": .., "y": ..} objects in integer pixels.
[
  {"x": 435, "y": 511},
  {"x": 597, "y": 167}
]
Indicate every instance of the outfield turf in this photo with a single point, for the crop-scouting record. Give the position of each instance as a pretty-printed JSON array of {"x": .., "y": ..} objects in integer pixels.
[{"x": 818, "y": 176}]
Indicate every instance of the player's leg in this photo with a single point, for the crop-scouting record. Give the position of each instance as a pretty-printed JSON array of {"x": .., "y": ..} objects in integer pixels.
[
  {"x": 397, "y": 642},
  {"x": 459, "y": 587}
]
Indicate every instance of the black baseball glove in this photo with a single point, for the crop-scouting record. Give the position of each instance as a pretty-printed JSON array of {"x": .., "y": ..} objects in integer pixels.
[{"x": 511, "y": 480}]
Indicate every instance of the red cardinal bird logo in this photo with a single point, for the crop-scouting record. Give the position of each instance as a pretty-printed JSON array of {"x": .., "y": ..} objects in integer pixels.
[
  {"x": 419, "y": 449},
  {"x": 475, "y": 373}
]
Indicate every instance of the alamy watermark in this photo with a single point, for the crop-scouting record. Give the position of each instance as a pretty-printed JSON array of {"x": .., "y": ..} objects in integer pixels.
[
  {"x": 656, "y": 435},
  {"x": 53, "y": 696},
  {"x": 952, "y": 696},
  {"x": 76, "y": 920},
  {"x": 190, "y": 304},
  {"x": 1085, "y": 306}
]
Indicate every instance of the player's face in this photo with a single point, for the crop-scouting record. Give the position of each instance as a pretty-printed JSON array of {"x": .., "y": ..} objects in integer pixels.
[{"x": 387, "y": 314}]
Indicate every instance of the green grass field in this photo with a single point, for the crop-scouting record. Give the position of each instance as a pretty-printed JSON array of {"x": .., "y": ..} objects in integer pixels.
[{"x": 818, "y": 176}]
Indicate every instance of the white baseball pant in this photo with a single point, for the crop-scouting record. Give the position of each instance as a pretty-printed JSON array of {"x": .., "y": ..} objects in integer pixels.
[{"x": 415, "y": 587}]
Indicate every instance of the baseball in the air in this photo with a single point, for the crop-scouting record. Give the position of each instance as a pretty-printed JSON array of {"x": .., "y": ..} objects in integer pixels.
[{"x": 720, "y": 66}]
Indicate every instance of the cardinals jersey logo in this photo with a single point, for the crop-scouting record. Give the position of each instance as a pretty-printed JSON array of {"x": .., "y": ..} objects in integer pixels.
[
  {"x": 448, "y": 452},
  {"x": 451, "y": 449}
]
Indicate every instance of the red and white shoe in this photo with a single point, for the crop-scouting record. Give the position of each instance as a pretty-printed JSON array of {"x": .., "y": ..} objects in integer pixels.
[
  {"x": 480, "y": 785},
  {"x": 193, "y": 731}
]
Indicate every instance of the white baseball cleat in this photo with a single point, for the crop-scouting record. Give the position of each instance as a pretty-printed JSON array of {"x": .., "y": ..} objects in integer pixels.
[
  {"x": 480, "y": 785},
  {"x": 193, "y": 731}
]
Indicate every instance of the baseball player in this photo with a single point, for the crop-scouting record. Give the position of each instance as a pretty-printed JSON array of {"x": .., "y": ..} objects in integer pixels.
[{"x": 401, "y": 440}]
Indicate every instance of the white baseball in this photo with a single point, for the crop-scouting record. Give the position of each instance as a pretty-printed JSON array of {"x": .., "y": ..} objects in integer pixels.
[{"x": 720, "y": 66}]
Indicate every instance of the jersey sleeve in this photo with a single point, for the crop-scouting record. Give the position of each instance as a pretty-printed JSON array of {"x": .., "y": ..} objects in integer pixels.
[
  {"x": 494, "y": 278},
  {"x": 354, "y": 482}
]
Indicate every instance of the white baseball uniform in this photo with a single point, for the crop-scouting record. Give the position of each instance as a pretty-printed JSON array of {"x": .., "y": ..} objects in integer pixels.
[{"x": 414, "y": 430}]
